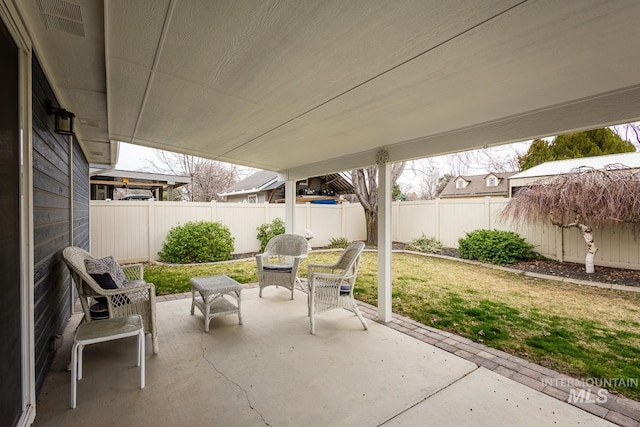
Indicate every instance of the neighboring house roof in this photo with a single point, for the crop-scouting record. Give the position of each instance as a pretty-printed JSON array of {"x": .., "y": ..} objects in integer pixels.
[
  {"x": 258, "y": 181},
  {"x": 558, "y": 167},
  {"x": 266, "y": 180},
  {"x": 476, "y": 186}
]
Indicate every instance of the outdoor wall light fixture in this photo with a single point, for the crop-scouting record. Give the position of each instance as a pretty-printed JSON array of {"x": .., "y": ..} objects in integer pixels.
[{"x": 63, "y": 120}]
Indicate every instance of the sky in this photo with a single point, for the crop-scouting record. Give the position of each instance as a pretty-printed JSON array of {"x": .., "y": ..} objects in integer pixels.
[{"x": 133, "y": 157}]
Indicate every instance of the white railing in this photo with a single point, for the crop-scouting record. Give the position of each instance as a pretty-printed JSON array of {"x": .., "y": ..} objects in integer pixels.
[{"x": 134, "y": 231}]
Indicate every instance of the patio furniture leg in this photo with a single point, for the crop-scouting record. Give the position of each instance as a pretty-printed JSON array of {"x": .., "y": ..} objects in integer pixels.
[
  {"x": 207, "y": 319},
  {"x": 154, "y": 342},
  {"x": 74, "y": 373},
  {"x": 359, "y": 314},
  {"x": 141, "y": 358},
  {"x": 239, "y": 293}
]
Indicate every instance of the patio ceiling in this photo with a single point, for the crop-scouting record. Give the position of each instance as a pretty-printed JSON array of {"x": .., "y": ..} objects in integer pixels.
[{"x": 310, "y": 87}]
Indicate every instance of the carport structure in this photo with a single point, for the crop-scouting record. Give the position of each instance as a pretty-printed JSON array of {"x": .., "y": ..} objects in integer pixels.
[{"x": 306, "y": 88}]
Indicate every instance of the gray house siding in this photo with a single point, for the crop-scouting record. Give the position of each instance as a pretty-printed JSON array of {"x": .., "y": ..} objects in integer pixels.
[
  {"x": 81, "y": 198},
  {"x": 52, "y": 221}
]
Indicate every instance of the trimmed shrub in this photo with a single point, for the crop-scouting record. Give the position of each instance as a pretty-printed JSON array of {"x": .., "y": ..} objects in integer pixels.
[
  {"x": 426, "y": 244},
  {"x": 338, "y": 243},
  {"x": 197, "y": 242},
  {"x": 267, "y": 231},
  {"x": 495, "y": 246}
]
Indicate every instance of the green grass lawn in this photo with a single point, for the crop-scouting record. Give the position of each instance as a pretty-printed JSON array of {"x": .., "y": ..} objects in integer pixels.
[{"x": 578, "y": 330}]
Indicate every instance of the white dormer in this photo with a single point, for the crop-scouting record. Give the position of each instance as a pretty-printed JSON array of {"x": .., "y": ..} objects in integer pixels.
[
  {"x": 461, "y": 182},
  {"x": 492, "y": 180}
]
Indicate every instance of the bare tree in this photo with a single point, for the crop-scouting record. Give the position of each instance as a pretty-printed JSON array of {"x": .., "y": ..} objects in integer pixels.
[
  {"x": 584, "y": 198},
  {"x": 460, "y": 163},
  {"x": 208, "y": 177},
  {"x": 491, "y": 159},
  {"x": 423, "y": 176},
  {"x": 629, "y": 132},
  {"x": 429, "y": 182},
  {"x": 365, "y": 184}
]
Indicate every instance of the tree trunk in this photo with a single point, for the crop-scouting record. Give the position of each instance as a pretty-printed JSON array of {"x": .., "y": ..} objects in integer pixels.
[
  {"x": 587, "y": 235},
  {"x": 365, "y": 185},
  {"x": 371, "y": 219}
]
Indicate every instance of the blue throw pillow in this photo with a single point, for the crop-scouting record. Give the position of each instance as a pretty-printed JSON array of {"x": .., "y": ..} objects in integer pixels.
[{"x": 104, "y": 280}]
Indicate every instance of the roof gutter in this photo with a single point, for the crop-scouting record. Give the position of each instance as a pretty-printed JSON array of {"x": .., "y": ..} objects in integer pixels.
[{"x": 115, "y": 153}]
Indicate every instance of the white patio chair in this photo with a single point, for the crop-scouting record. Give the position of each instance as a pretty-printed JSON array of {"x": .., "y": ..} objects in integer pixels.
[
  {"x": 279, "y": 263},
  {"x": 331, "y": 285},
  {"x": 135, "y": 297}
]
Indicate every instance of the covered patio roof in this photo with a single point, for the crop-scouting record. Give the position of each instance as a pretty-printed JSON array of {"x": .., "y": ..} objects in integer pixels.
[
  {"x": 305, "y": 88},
  {"x": 271, "y": 371}
]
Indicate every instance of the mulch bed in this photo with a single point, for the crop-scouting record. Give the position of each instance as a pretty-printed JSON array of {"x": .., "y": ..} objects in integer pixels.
[{"x": 609, "y": 275}]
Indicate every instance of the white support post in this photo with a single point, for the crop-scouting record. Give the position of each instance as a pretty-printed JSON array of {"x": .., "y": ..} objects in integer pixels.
[
  {"x": 384, "y": 240},
  {"x": 151, "y": 225},
  {"x": 290, "y": 206}
]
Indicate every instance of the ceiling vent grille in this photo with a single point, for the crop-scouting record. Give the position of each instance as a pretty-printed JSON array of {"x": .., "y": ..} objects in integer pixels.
[{"x": 62, "y": 16}]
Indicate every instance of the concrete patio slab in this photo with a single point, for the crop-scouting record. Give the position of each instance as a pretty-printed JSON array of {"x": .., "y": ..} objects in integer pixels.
[
  {"x": 485, "y": 398},
  {"x": 272, "y": 371}
]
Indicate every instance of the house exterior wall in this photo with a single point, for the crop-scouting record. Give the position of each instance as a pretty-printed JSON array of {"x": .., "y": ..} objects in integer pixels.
[
  {"x": 261, "y": 197},
  {"x": 134, "y": 231},
  {"x": 58, "y": 211},
  {"x": 11, "y": 380}
]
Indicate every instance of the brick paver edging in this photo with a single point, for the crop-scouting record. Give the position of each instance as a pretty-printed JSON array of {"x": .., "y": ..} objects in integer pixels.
[{"x": 616, "y": 409}]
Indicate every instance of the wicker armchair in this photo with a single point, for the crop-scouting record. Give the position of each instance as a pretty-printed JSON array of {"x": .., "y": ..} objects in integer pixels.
[
  {"x": 135, "y": 297},
  {"x": 279, "y": 263},
  {"x": 331, "y": 285}
]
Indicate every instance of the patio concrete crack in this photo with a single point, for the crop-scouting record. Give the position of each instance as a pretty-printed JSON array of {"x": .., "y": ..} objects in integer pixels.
[
  {"x": 246, "y": 395},
  {"x": 427, "y": 397}
]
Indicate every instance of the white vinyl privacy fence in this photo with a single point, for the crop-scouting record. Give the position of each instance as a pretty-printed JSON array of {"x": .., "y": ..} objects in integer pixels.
[{"x": 134, "y": 231}]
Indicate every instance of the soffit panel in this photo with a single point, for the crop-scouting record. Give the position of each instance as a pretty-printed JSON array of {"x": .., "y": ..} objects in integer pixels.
[
  {"x": 288, "y": 144},
  {"x": 134, "y": 29},
  {"x": 127, "y": 84},
  {"x": 292, "y": 56},
  {"x": 201, "y": 119},
  {"x": 456, "y": 86}
]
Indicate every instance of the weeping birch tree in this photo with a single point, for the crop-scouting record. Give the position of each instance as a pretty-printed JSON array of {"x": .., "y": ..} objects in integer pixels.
[{"x": 582, "y": 199}]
